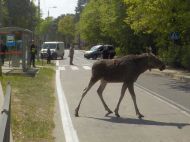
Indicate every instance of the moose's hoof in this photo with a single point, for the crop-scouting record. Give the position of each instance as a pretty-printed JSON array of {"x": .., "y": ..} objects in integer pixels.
[
  {"x": 141, "y": 116},
  {"x": 117, "y": 115},
  {"x": 76, "y": 113},
  {"x": 108, "y": 113}
]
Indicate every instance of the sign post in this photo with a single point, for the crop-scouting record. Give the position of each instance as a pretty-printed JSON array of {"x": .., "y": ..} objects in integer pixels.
[{"x": 174, "y": 35}]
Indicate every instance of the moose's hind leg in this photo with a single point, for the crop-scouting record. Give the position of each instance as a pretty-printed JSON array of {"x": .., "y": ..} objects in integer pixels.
[
  {"x": 100, "y": 91},
  {"x": 124, "y": 87},
  {"x": 93, "y": 80}
]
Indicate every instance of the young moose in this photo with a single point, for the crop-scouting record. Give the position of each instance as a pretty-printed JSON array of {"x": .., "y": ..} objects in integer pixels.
[{"x": 125, "y": 69}]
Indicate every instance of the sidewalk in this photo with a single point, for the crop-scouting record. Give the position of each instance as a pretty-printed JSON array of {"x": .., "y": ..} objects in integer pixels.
[
  {"x": 8, "y": 70},
  {"x": 173, "y": 73}
]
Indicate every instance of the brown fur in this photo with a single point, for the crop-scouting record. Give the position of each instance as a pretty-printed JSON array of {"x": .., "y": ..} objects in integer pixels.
[{"x": 125, "y": 69}]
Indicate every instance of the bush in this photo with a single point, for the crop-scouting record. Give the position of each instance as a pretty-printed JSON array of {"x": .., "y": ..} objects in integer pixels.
[
  {"x": 118, "y": 51},
  {"x": 185, "y": 61},
  {"x": 174, "y": 56}
]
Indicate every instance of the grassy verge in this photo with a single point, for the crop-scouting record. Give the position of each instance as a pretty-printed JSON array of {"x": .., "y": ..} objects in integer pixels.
[{"x": 32, "y": 106}]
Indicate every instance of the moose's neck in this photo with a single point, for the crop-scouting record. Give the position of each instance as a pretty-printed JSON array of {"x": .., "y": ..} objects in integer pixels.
[{"x": 142, "y": 64}]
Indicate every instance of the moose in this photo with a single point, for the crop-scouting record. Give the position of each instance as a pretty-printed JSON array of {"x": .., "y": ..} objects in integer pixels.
[{"x": 126, "y": 70}]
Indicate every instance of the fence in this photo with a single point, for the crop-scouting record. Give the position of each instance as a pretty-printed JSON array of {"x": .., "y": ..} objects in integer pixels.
[{"x": 6, "y": 117}]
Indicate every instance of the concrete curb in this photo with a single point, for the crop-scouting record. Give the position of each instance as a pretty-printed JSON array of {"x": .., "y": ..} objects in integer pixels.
[{"x": 173, "y": 74}]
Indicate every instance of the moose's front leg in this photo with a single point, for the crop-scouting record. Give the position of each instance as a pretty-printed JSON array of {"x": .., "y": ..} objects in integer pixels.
[
  {"x": 124, "y": 87},
  {"x": 132, "y": 92}
]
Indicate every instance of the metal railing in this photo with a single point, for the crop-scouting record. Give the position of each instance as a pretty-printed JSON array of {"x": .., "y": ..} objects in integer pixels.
[{"x": 5, "y": 116}]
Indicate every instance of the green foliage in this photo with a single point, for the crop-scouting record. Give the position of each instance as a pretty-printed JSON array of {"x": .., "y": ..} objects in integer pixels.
[
  {"x": 21, "y": 13},
  {"x": 102, "y": 21},
  {"x": 161, "y": 18},
  {"x": 89, "y": 24},
  {"x": 32, "y": 106},
  {"x": 186, "y": 57},
  {"x": 43, "y": 28},
  {"x": 66, "y": 26}
]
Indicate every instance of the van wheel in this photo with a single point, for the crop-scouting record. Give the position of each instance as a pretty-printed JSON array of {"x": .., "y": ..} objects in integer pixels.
[{"x": 55, "y": 57}]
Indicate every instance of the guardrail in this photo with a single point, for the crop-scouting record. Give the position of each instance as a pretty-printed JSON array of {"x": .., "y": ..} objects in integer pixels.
[{"x": 6, "y": 116}]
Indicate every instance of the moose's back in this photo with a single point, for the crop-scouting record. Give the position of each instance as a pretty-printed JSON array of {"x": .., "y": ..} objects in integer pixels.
[{"x": 122, "y": 69}]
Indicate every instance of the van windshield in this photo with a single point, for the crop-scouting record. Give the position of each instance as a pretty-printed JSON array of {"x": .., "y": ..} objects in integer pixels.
[{"x": 49, "y": 45}]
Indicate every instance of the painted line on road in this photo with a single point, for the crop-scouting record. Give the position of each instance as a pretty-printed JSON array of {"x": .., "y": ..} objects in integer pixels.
[
  {"x": 165, "y": 100},
  {"x": 62, "y": 68},
  {"x": 69, "y": 131},
  {"x": 87, "y": 67},
  {"x": 74, "y": 68}
]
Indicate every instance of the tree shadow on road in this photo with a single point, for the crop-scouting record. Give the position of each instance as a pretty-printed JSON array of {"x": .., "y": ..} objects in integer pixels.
[{"x": 141, "y": 121}]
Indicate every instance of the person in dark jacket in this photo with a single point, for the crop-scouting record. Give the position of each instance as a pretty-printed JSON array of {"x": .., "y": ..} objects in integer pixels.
[
  {"x": 3, "y": 49},
  {"x": 71, "y": 54},
  {"x": 33, "y": 52},
  {"x": 48, "y": 56},
  {"x": 105, "y": 53}
]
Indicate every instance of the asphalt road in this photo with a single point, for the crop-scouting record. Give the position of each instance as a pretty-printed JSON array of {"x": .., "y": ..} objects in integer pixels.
[{"x": 163, "y": 121}]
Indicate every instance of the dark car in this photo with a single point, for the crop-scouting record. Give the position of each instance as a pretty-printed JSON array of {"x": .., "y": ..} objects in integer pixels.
[{"x": 100, "y": 51}]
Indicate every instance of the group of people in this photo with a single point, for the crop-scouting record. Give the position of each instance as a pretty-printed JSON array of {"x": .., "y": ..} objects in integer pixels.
[{"x": 33, "y": 51}]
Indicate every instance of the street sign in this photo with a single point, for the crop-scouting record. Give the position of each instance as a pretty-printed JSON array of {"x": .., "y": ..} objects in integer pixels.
[
  {"x": 10, "y": 40},
  {"x": 174, "y": 35}
]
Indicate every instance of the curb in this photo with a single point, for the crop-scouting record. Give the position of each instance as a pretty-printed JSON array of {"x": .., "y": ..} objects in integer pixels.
[{"x": 173, "y": 74}]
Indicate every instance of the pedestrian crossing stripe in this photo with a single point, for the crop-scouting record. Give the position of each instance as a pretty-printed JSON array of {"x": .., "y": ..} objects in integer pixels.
[
  {"x": 62, "y": 68},
  {"x": 74, "y": 68},
  {"x": 87, "y": 67}
]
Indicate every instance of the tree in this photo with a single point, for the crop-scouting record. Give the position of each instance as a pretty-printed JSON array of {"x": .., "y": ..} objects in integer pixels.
[
  {"x": 102, "y": 21},
  {"x": 66, "y": 26},
  {"x": 42, "y": 29},
  {"x": 161, "y": 18},
  {"x": 22, "y": 13},
  {"x": 89, "y": 24}
]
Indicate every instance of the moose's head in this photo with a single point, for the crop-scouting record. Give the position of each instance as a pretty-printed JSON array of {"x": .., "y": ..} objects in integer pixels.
[{"x": 155, "y": 62}]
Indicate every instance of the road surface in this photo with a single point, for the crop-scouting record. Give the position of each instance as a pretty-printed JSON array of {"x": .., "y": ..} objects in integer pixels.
[{"x": 163, "y": 121}]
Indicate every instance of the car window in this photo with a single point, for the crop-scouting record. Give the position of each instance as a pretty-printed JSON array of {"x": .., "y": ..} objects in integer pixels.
[
  {"x": 95, "y": 48},
  {"x": 61, "y": 45},
  {"x": 49, "y": 45},
  {"x": 100, "y": 48}
]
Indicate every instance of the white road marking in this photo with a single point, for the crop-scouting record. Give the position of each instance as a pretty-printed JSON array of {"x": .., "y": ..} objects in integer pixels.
[
  {"x": 74, "y": 68},
  {"x": 164, "y": 100},
  {"x": 62, "y": 68},
  {"x": 87, "y": 67},
  {"x": 69, "y": 131}
]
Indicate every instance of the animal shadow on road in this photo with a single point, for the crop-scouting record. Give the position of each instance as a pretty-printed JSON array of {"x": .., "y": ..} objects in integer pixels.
[{"x": 137, "y": 121}]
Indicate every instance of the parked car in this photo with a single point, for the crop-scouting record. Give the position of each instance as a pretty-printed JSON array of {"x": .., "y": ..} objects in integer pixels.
[
  {"x": 100, "y": 51},
  {"x": 57, "y": 49}
]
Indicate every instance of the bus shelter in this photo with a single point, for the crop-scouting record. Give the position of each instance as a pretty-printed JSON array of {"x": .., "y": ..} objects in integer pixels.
[{"x": 17, "y": 42}]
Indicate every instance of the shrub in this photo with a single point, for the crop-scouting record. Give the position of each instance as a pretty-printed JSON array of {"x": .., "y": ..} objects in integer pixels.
[{"x": 185, "y": 61}]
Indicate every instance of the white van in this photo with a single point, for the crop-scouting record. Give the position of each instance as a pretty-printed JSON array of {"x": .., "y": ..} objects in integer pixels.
[{"x": 57, "y": 49}]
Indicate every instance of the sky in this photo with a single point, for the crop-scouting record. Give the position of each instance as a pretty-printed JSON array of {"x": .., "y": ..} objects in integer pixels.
[{"x": 62, "y": 7}]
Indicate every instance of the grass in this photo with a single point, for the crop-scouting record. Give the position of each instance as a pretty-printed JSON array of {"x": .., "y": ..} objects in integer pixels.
[{"x": 32, "y": 106}]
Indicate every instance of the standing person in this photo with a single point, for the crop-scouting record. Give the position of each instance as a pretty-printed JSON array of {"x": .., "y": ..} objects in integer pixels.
[
  {"x": 105, "y": 54},
  {"x": 3, "y": 49},
  {"x": 71, "y": 54},
  {"x": 48, "y": 56},
  {"x": 33, "y": 52}
]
